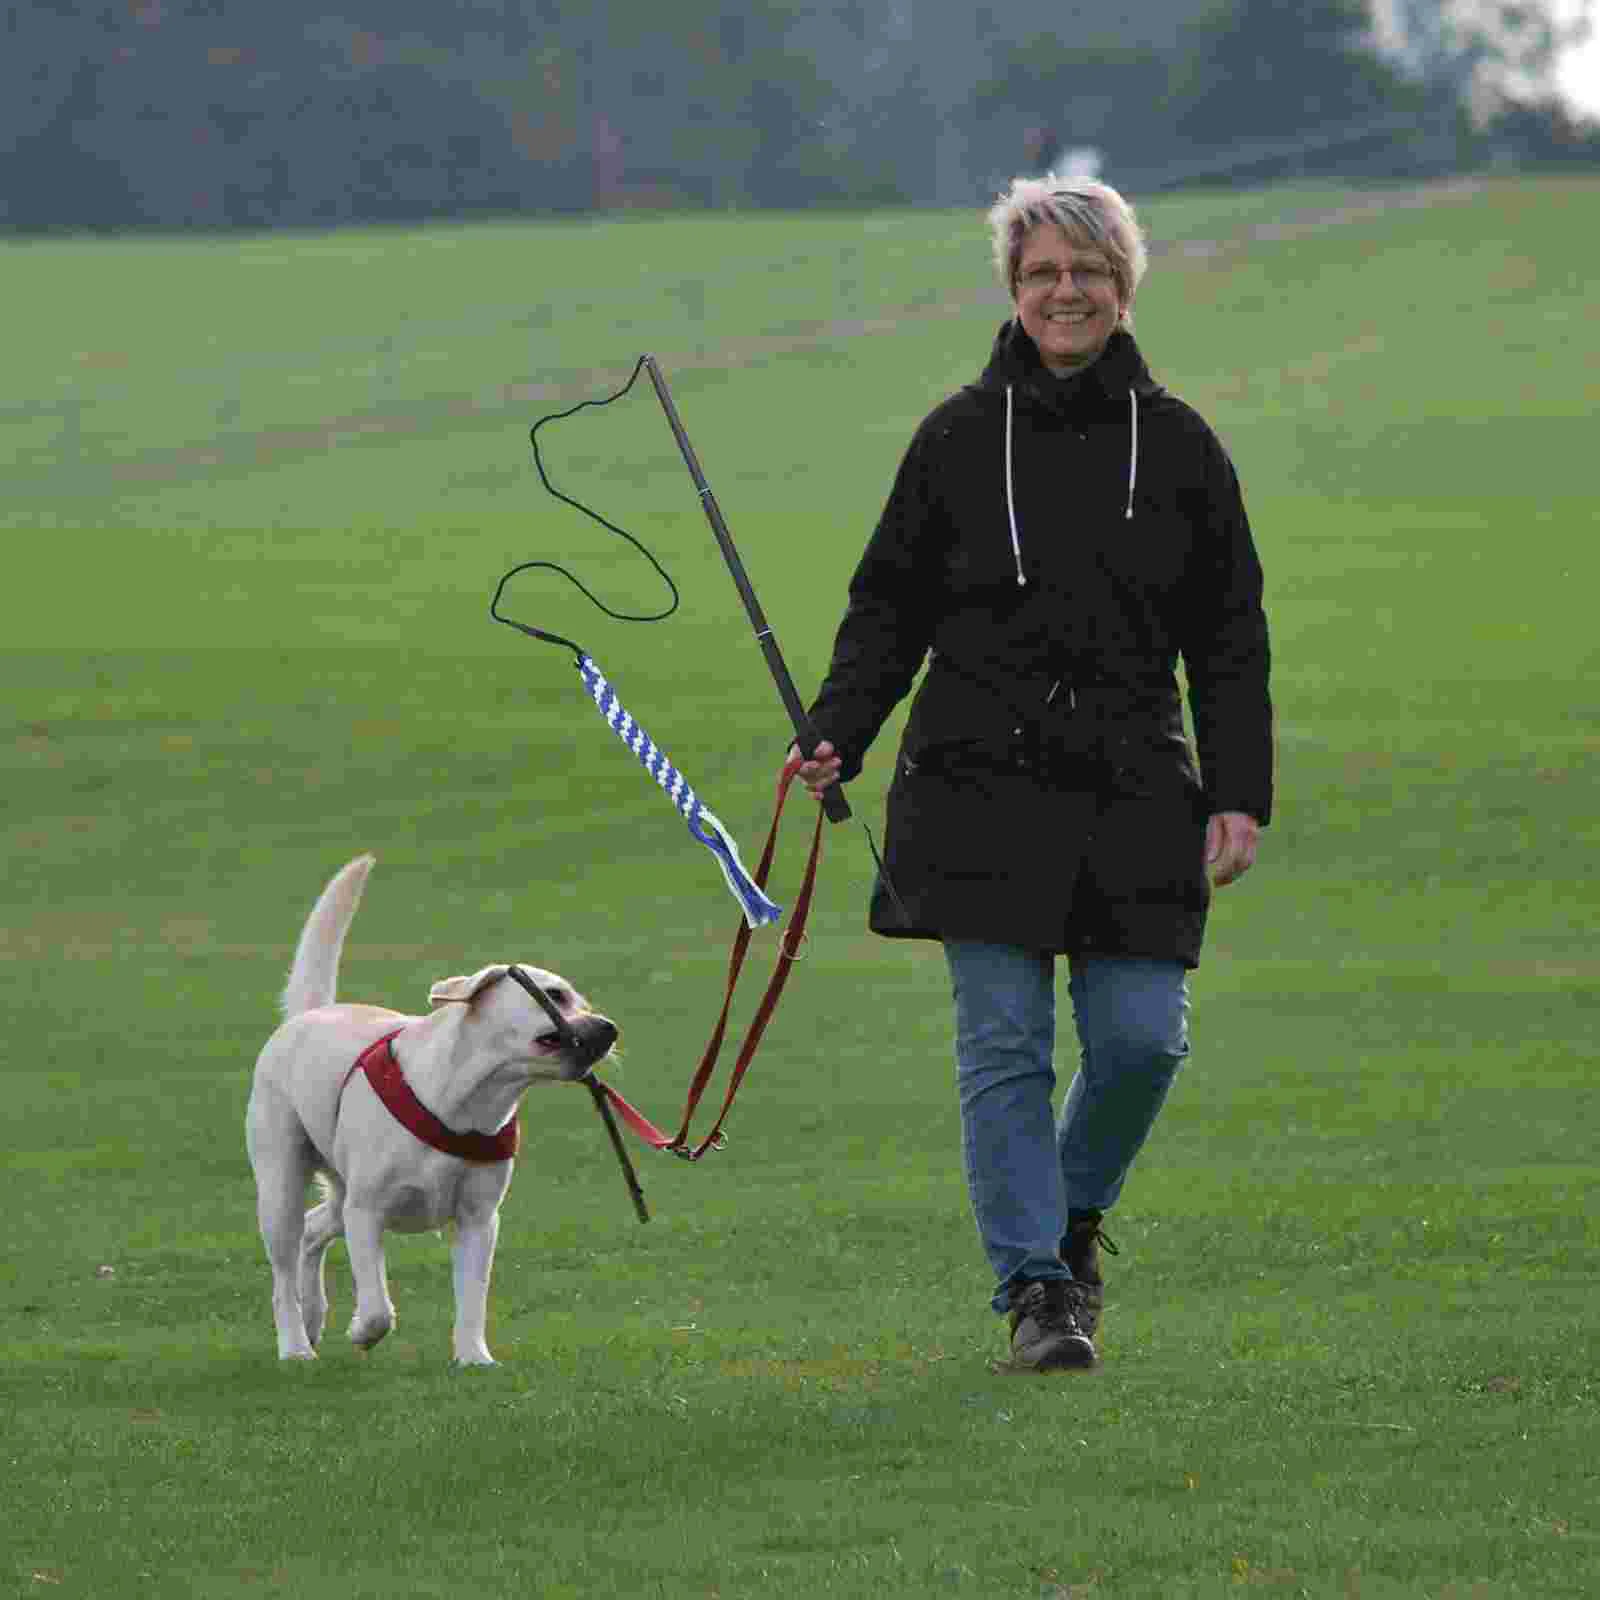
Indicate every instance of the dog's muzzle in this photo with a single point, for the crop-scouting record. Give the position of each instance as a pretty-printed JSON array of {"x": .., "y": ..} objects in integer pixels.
[
  {"x": 591, "y": 1040},
  {"x": 586, "y": 1041}
]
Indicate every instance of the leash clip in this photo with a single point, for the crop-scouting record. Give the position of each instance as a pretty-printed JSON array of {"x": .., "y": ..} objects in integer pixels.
[{"x": 692, "y": 1153}]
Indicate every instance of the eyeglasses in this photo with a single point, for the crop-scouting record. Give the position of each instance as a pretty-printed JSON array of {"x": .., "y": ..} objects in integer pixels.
[{"x": 1047, "y": 275}]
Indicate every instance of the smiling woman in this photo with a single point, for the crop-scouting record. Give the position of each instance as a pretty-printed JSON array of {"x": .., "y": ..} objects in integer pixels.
[
  {"x": 1059, "y": 534},
  {"x": 1068, "y": 300},
  {"x": 1072, "y": 258}
]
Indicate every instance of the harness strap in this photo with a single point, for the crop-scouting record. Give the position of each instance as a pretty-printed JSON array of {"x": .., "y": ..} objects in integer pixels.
[
  {"x": 388, "y": 1082},
  {"x": 788, "y": 953}
]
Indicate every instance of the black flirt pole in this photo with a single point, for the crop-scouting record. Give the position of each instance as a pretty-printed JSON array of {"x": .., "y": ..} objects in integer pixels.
[{"x": 833, "y": 800}]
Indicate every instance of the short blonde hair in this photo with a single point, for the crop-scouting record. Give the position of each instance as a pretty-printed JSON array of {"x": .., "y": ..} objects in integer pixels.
[{"x": 1090, "y": 212}]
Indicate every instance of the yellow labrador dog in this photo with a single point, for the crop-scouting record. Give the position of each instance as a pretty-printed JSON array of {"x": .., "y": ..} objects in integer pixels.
[{"x": 407, "y": 1122}]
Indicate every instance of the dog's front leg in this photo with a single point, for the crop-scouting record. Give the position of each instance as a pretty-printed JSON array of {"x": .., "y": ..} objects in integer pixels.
[
  {"x": 374, "y": 1314},
  {"x": 472, "y": 1257}
]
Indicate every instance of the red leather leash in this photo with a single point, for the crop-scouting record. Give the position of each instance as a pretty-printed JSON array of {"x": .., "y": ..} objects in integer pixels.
[
  {"x": 383, "y": 1071},
  {"x": 788, "y": 953}
]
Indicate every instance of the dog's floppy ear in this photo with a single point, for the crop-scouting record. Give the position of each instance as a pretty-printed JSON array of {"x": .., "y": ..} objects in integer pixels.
[{"x": 462, "y": 990}]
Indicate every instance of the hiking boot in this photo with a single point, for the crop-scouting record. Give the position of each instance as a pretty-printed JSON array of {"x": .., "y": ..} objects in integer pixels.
[
  {"x": 1047, "y": 1332},
  {"x": 1080, "y": 1254}
]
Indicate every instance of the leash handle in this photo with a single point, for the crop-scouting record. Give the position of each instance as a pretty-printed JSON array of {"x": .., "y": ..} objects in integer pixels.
[{"x": 833, "y": 800}]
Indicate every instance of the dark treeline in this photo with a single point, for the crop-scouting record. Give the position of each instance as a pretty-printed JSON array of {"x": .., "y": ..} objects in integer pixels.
[{"x": 223, "y": 113}]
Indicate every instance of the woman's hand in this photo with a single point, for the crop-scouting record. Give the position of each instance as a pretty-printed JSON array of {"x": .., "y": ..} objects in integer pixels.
[
  {"x": 821, "y": 770},
  {"x": 1230, "y": 846}
]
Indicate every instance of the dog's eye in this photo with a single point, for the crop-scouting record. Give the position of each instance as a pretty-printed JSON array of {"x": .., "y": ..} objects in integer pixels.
[{"x": 562, "y": 997}]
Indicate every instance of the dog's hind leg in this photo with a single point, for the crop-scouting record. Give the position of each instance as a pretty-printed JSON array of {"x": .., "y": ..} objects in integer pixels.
[
  {"x": 283, "y": 1159},
  {"x": 323, "y": 1224},
  {"x": 374, "y": 1315}
]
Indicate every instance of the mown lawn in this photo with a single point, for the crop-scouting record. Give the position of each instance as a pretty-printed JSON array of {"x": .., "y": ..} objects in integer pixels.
[{"x": 252, "y": 533}]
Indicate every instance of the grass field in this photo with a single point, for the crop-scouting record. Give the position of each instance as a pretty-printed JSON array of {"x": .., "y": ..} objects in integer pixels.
[{"x": 258, "y": 492}]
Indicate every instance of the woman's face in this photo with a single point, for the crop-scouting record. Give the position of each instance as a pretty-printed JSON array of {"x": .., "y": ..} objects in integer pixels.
[{"x": 1066, "y": 298}]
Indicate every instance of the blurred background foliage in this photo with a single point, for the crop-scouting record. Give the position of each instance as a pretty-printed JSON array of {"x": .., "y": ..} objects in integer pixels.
[{"x": 226, "y": 114}]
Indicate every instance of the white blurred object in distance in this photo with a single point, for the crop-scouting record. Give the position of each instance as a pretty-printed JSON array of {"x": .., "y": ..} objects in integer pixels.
[
  {"x": 1578, "y": 74},
  {"x": 1078, "y": 161}
]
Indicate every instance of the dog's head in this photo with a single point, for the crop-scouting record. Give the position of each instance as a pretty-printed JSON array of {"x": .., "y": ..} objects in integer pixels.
[{"x": 521, "y": 1028}]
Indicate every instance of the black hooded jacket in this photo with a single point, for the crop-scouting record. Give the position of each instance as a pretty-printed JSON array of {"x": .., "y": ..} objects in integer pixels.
[{"x": 1052, "y": 547}]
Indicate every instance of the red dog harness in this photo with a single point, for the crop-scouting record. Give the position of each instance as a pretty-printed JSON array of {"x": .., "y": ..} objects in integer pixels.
[{"x": 389, "y": 1084}]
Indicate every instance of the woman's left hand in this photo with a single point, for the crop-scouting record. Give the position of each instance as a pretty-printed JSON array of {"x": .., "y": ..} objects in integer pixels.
[{"x": 1230, "y": 846}]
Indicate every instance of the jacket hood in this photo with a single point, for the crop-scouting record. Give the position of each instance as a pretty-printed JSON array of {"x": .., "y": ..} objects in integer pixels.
[
  {"x": 1014, "y": 363},
  {"x": 1112, "y": 384}
]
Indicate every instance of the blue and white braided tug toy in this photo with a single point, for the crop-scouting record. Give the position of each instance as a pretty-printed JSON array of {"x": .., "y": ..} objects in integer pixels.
[{"x": 758, "y": 909}]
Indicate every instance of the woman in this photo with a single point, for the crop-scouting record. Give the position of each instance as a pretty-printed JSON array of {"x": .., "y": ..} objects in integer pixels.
[{"x": 1059, "y": 535}]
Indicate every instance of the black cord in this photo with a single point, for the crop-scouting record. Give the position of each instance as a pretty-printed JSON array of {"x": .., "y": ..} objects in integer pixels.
[
  {"x": 594, "y": 516},
  {"x": 621, "y": 616}
]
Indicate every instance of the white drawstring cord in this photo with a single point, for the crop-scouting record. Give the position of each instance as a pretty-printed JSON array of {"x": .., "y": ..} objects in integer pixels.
[
  {"x": 1011, "y": 504},
  {"x": 1011, "y": 500},
  {"x": 1133, "y": 451}
]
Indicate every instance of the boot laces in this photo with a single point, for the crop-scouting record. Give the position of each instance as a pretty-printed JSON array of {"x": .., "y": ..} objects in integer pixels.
[
  {"x": 1053, "y": 1303},
  {"x": 1084, "y": 1239},
  {"x": 1093, "y": 1234}
]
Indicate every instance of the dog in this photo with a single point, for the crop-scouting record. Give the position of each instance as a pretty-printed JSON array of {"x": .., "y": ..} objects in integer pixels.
[{"x": 315, "y": 1112}]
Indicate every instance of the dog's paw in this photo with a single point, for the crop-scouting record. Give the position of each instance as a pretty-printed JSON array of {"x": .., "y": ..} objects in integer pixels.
[
  {"x": 367, "y": 1331},
  {"x": 307, "y": 1354},
  {"x": 475, "y": 1358}
]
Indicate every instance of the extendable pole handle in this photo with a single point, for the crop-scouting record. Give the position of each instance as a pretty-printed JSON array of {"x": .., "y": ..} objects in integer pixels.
[{"x": 834, "y": 803}]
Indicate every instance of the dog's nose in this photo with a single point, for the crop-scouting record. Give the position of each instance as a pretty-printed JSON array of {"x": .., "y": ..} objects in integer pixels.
[{"x": 596, "y": 1035}]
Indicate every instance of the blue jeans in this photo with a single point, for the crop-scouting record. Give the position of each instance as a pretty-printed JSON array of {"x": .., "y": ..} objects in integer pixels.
[{"x": 1024, "y": 1169}]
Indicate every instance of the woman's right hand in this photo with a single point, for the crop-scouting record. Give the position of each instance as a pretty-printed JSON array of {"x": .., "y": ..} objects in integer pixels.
[{"x": 821, "y": 770}]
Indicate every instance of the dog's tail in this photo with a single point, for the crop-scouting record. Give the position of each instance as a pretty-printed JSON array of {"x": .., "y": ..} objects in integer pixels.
[{"x": 314, "y": 977}]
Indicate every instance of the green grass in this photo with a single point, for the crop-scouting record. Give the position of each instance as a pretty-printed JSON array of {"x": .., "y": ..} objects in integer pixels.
[{"x": 1349, "y": 1348}]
